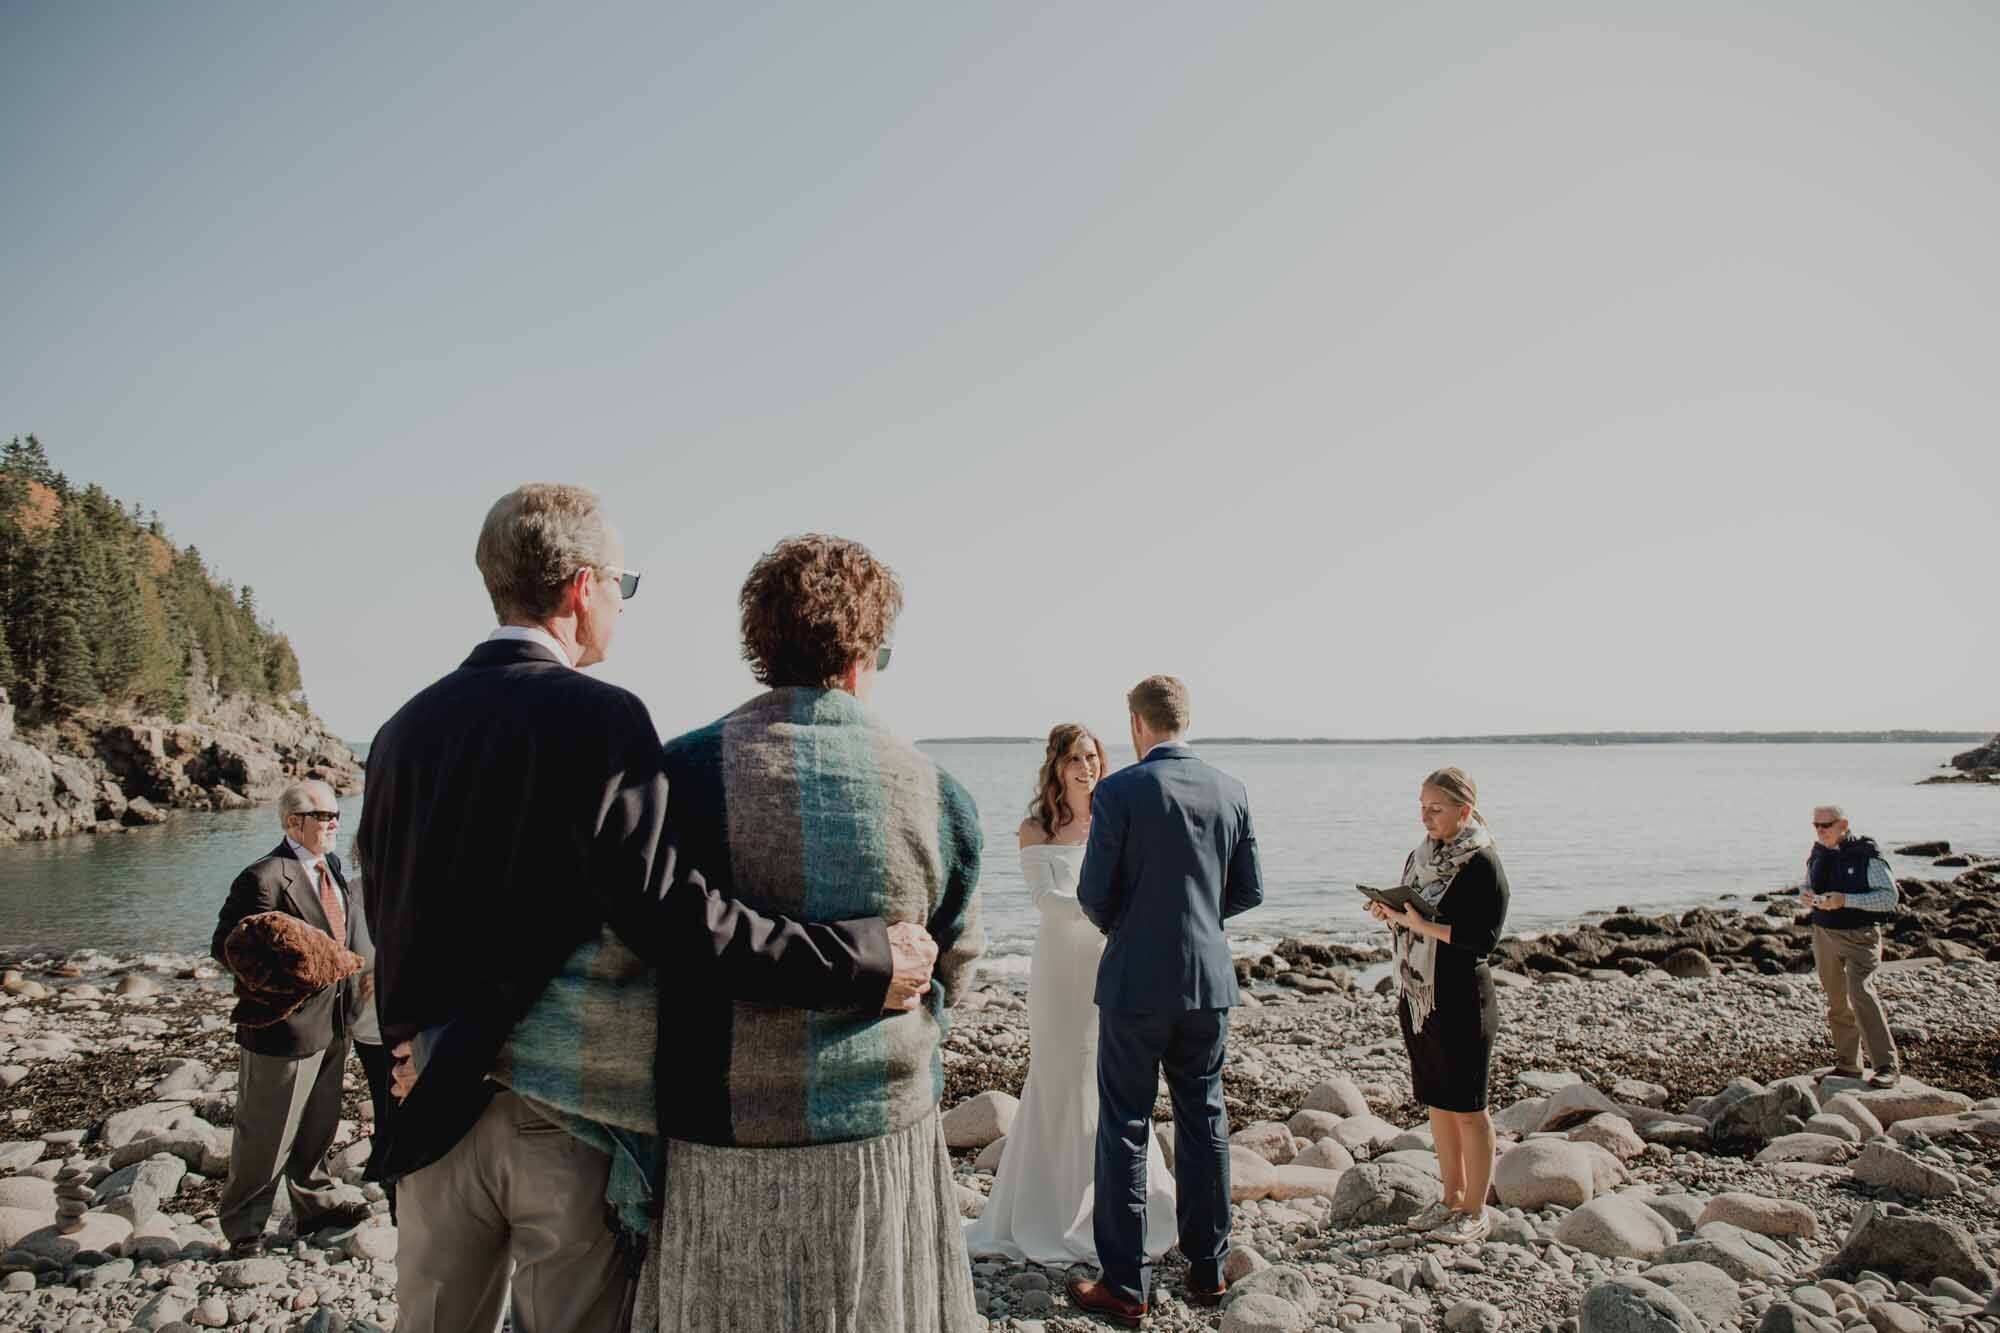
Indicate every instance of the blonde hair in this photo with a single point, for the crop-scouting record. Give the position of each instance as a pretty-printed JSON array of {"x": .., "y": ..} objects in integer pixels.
[{"x": 1457, "y": 785}]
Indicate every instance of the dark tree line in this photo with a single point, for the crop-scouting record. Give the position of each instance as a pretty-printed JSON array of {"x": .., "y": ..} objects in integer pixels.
[{"x": 101, "y": 610}]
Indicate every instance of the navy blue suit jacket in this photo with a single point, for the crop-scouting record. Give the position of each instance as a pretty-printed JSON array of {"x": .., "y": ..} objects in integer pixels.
[{"x": 1171, "y": 856}]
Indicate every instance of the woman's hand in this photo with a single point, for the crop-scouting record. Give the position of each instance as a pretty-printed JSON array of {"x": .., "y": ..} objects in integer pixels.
[{"x": 1406, "y": 917}]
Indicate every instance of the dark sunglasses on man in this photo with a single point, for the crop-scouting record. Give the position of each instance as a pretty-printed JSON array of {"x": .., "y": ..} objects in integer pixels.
[
  {"x": 320, "y": 816},
  {"x": 628, "y": 581}
]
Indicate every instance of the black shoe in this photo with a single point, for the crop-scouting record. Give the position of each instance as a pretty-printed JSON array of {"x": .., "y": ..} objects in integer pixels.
[
  {"x": 339, "y": 1217},
  {"x": 247, "y": 1248}
]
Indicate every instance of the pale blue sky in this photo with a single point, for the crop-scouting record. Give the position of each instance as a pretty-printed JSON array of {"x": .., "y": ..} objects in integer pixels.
[{"x": 1380, "y": 369}]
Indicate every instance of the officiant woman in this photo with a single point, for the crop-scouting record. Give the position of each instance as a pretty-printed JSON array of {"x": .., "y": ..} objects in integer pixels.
[{"x": 1445, "y": 994}]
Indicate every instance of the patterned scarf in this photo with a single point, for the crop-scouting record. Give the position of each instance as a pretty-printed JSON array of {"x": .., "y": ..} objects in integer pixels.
[{"x": 1430, "y": 870}]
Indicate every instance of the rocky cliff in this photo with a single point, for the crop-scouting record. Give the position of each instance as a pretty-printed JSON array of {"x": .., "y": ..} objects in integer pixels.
[
  {"x": 1983, "y": 762},
  {"x": 102, "y": 772}
]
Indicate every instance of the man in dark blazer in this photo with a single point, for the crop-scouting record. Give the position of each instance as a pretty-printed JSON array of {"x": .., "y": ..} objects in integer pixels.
[
  {"x": 515, "y": 809},
  {"x": 289, "y": 1072},
  {"x": 1171, "y": 856}
]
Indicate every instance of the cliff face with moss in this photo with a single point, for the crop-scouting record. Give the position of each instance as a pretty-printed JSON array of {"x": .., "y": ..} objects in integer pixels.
[{"x": 132, "y": 680}]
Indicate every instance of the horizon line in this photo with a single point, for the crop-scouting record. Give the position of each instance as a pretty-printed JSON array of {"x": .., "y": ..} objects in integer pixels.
[{"x": 1884, "y": 735}]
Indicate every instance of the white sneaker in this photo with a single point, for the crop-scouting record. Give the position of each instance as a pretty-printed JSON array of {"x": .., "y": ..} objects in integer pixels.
[
  {"x": 1433, "y": 1215},
  {"x": 1462, "y": 1229}
]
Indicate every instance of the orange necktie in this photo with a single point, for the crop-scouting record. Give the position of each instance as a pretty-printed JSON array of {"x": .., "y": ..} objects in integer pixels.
[{"x": 329, "y": 902}]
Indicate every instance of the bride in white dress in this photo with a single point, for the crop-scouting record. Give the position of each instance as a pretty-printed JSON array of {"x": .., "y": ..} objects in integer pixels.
[{"x": 1039, "y": 1209}]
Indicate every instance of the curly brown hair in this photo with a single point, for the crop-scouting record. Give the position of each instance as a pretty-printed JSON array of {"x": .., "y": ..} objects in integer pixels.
[
  {"x": 1049, "y": 809},
  {"x": 812, "y": 607}
]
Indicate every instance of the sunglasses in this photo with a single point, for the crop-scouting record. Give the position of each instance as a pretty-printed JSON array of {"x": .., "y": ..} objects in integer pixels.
[
  {"x": 1826, "y": 824},
  {"x": 628, "y": 581},
  {"x": 882, "y": 658},
  {"x": 320, "y": 816}
]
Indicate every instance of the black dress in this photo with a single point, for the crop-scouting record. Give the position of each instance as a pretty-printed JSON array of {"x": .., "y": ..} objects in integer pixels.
[{"x": 1453, "y": 1054}]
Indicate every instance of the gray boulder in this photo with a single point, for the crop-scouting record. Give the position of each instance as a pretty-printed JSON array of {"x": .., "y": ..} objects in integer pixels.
[
  {"x": 1783, "y": 1108},
  {"x": 1617, "y": 1226},
  {"x": 1703, "y": 1288},
  {"x": 1474, "y": 1317},
  {"x": 1786, "y": 1317},
  {"x": 1741, "y": 1254},
  {"x": 1683, "y": 1210},
  {"x": 1634, "y": 1305},
  {"x": 1890, "y": 1168},
  {"x": 1374, "y": 1192},
  {"x": 1897, "y": 1243},
  {"x": 1262, "y": 1313},
  {"x": 1280, "y": 1280}
]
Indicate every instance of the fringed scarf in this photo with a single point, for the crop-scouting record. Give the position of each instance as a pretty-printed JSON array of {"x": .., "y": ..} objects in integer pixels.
[{"x": 1430, "y": 870}]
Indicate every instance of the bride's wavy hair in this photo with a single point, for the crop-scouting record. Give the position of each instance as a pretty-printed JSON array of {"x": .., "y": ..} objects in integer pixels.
[{"x": 1049, "y": 809}]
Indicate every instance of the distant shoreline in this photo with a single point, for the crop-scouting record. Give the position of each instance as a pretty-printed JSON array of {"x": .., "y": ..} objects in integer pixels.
[{"x": 1561, "y": 738}]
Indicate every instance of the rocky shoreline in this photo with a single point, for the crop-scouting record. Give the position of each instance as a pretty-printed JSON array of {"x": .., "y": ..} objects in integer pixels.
[
  {"x": 105, "y": 773},
  {"x": 1665, "y": 1166},
  {"x": 1980, "y": 765}
]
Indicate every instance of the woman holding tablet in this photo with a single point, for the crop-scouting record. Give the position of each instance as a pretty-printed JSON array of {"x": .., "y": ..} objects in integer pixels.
[{"x": 1449, "y": 1013}]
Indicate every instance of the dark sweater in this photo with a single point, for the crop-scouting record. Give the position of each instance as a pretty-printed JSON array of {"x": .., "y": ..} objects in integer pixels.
[{"x": 1475, "y": 907}]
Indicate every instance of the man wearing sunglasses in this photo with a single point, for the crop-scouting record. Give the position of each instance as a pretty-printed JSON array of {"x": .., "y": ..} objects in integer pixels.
[
  {"x": 1850, "y": 890},
  {"x": 517, "y": 809},
  {"x": 289, "y": 1072}
]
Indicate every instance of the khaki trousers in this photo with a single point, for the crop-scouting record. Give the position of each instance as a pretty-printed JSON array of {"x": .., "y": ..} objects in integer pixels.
[
  {"x": 287, "y": 1110},
  {"x": 518, "y": 1201},
  {"x": 1847, "y": 960}
]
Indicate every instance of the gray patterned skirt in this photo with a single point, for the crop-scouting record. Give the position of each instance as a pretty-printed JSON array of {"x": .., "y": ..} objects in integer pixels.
[{"x": 837, "y": 1238}]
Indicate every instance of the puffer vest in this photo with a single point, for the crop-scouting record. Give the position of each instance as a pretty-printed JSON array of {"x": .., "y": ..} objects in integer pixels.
[{"x": 1843, "y": 869}]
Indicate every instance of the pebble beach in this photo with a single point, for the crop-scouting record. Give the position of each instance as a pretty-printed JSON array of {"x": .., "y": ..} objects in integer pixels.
[{"x": 1667, "y": 1161}]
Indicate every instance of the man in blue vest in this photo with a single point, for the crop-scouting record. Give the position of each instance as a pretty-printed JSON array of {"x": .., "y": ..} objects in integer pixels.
[{"x": 1849, "y": 888}]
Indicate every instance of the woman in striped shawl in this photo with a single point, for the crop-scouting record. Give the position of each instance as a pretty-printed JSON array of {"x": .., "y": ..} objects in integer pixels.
[
  {"x": 1450, "y": 1014},
  {"x": 807, "y": 1184}
]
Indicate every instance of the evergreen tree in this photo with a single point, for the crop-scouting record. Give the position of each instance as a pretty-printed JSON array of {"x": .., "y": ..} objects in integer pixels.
[
  {"x": 281, "y": 667},
  {"x": 73, "y": 579},
  {"x": 27, "y": 460},
  {"x": 27, "y": 616},
  {"x": 95, "y": 605},
  {"x": 71, "y": 682},
  {"x": 13, "y": 494}
]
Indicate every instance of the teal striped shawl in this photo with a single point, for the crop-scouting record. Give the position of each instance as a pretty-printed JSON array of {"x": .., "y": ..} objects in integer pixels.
[
  {"x": 800, "y": 803},
  {"x": 803, "y": 803},
  {"x": 584, "y": 1054}
]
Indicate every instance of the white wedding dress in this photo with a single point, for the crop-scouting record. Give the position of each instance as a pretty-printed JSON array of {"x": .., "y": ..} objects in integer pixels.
[{"x": 1040, "y": 1206}]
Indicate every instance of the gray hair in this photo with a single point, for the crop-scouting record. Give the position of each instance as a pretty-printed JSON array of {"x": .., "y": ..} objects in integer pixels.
[
  {"x": 1833, "y": 810},
  {"x": 298, "y": 798},
  {"x": 534, "y": 540}
]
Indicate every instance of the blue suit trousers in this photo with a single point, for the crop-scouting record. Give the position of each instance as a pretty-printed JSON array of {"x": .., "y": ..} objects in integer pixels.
[{"x": 1132, "y": 1049}]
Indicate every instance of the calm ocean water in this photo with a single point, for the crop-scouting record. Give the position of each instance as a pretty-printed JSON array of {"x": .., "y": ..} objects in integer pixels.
[{"x": 1581, "y": 828}]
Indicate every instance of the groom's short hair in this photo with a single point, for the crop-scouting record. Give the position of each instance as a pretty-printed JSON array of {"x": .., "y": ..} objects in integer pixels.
[{"x": 1161, "y": 702}]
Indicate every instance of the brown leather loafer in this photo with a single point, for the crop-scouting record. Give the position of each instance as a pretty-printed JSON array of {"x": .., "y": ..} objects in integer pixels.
[
  {"x": 1105, "y": 1303},
  {"x": 1198, "y": 1295}
]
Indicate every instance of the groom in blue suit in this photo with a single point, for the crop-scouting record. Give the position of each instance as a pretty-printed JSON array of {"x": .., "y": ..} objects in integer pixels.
[{"x": 1171, "y": 856}]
